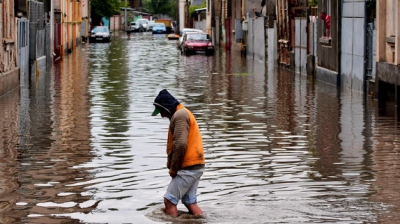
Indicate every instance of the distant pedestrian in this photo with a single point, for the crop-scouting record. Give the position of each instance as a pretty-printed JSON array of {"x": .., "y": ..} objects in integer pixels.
[
  {"x": 257, "y": 13},
  {"x": 327, "y": 22}
]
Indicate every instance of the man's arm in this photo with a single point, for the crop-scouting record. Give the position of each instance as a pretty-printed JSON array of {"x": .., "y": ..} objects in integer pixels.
[{"x": 180, "y": 124}]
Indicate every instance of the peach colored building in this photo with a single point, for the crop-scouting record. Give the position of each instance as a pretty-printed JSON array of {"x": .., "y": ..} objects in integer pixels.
[
  {"x": 71, "y": 15},
  {"x": 388, "y": 49}
]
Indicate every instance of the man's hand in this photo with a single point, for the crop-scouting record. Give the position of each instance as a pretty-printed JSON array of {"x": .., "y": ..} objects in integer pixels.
[{"x": 172, "y": 173}]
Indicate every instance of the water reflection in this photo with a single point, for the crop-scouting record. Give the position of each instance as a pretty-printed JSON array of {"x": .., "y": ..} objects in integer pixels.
[
  {"x": 80, "y": 145},
  {"x": 53, "y": 137}
]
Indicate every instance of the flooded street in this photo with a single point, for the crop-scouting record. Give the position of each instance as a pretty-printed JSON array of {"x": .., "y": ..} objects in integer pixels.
[{"x": 80, "y": 145}]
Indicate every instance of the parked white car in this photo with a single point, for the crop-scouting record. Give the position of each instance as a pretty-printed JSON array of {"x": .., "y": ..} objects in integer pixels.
[
  {"x": 151, "y": 24},
  {"x": 134, "y": 27},
  {"x": 143, "y": 23}
]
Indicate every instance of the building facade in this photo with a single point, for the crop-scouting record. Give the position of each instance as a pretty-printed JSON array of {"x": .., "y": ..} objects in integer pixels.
[
  {"x": 388, "y": 50},
  {"x": 9, "y": 72}
]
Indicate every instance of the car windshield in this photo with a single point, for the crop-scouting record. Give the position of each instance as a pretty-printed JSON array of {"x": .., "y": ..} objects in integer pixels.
[
  {"x": 185, "y": 30},
  {"x": 100, "y": 29},
  {"x": 158, "y": 25},
  {"x": 142, "y": 21},
  {"x": 197, "y": 37}
]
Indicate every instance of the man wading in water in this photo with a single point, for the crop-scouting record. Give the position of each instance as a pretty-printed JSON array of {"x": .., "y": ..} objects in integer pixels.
[{"x": 185, "y": 155}]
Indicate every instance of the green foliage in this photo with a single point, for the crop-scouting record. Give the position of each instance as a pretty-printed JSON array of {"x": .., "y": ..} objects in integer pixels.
[
  {"x": 192, "y": 8},
  {"x": 168, "y": 7},
  {"x": 313, "y": 3},
  {"x": 124, "y": 4},
  {"x": 105, "y": 8}
]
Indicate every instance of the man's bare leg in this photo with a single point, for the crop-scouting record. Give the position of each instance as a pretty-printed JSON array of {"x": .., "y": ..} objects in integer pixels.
[
  {"x": 194, "y": 209},
  {"x": 170, "y": 208}
]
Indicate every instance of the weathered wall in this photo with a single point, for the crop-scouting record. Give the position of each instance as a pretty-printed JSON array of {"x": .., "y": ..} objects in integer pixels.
[
  {"x": 85, "y": 26},
  {"x": 388, "y": 72},
  {"x": 326, "y": 75},
  {"x": 387, "y": 82},
  {"x": 115, "y": 24},
  {"x": 388, "y": 30},
  {"x": 388, "y": 47},
  {"x": 71, "y": 24},
  {"x": 9, "y": 73},
  {"x": 8, "y": 81}
]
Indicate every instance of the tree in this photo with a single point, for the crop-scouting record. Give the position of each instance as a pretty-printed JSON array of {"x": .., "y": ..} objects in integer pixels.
[
  {"x": 193, "y": 8},
  {"x": 313, "y": 3},
  {"x": 104, "y": 8},
  {"x": 168, "y": 7}
]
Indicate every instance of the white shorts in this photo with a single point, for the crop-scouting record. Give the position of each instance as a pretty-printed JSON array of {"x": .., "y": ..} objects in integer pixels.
[{"x": 184, "y": 186}]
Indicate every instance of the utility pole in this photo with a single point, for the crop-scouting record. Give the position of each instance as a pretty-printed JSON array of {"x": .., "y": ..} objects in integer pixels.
[
  {"x": 126, "y": 5},
  {"x": 187, "y": 13},
  {"x": 177, "y": 28},
  {"x": 52, "y": 30}
]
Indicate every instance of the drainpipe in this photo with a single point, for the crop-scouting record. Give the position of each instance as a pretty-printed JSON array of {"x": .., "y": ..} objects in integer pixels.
[
  {"x": 213, "y": 31},
  {"x": 365, "y": 82},
  {"x": 177, "y": 28},
  {"x": 126, "y": 26},
  {"x": 52, "y": 30},
  {"x": 243, "y": 18},
  {"x": 339, "y": 33},
  {"x": 242, "y": 8}
]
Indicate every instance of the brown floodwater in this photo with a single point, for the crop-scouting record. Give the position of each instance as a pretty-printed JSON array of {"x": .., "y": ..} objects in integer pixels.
[{"x": 78, "y": 144}]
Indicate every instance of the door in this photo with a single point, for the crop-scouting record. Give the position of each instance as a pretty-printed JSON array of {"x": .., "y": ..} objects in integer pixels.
[
  {"x": 23, "y": 50},
  {"x": 353, "y": 45},
  {"x": 300, "y": 44}
]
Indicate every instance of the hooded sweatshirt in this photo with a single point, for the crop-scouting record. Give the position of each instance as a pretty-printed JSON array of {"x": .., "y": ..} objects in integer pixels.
[{"x": 184, "y": 145}]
